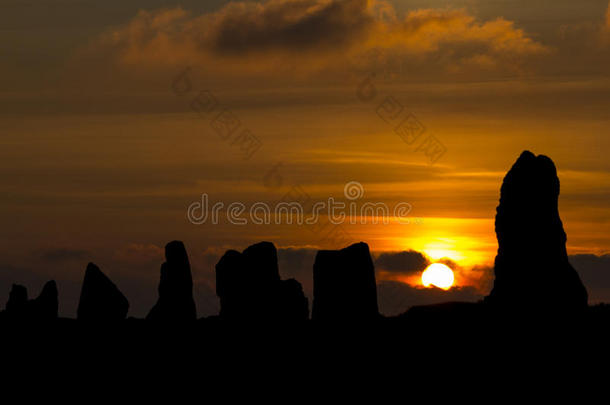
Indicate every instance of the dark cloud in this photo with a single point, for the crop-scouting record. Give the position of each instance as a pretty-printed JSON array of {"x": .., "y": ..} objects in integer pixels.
[
  {"x": 482, "y": 276},
  {"x": 289, "y": 25},
  {"x": 406, "y": 262},
  {"x": 449, "y": 262},
  {"x": 396, "y": 297},
  {"x": 64, "y": 254},
  {"x": 298, "y": 264},
  {"x": 594, "y": 272}
]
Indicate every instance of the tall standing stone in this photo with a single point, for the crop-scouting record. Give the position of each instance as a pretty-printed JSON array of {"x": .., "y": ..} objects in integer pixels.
[
  {"x": 175, "y": 303},
  {"x": 532, "y": 271}
]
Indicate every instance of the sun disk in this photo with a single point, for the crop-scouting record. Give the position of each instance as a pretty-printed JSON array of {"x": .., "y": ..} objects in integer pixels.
[{"x": 438, "y": 275}]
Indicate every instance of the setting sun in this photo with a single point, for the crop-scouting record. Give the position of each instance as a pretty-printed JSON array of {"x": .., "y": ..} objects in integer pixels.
[{"x": 438, "y": 275}]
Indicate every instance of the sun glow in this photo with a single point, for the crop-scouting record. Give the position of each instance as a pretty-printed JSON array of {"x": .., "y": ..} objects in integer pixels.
[{"x": 438, "y": 275}]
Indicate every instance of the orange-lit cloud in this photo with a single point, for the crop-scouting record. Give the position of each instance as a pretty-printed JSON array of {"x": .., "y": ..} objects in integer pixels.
[
  {"x": 315, "y": 35},
  {"x": 455, "y": 33}
]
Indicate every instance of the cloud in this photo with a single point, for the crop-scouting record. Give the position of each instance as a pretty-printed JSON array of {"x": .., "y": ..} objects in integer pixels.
[
  {"x": 287, "y": 25},
  {"x": 406, "y": 262},
  {"x": 239, "y": 29},
  {"x": 64, "y": 254},
  {"x": 396, "y": 297},
  {"x": 297, "y": 263},
  {"x": 137, "y": 253},
  {"x": 314, "y": 35},
  {"x": 583, "y": 47},
  {"x": 458, "y": 35},
  {"x": 594, "y": 272}
]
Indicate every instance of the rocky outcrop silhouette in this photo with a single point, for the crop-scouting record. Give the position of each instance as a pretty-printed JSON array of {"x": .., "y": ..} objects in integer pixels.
[
  {"x": 100, "y": 299},
  {"x": 42, "y": 308},
  {"x": 344, "y": 285},
  {"x": 175, "y": 303},
  {"x": 532, "y": 271},
  {"x": 249, "y": 287}
]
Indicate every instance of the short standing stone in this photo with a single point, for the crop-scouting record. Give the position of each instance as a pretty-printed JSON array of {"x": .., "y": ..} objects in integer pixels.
[
  {"x": 250, "y": 289},
  {"x": 344, "y": 285}
]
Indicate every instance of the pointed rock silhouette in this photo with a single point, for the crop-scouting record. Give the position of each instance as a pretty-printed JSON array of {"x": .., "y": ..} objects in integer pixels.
[
  {"x": 531, "y": 268},
  {"x": 100, "y": 299},
  {"x": 344, "y": 285},
  {"x": 45, "y": 306},
  {"x": 175, "y": 301},
  {"x": 249, "y": 287}
]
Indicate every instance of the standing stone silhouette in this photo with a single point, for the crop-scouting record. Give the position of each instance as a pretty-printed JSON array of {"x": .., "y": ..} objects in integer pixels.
[
  {"x": 42, "y": 308},
  {"x": 100, "y": 299},
  {"x": 344, "y": 285},
  {"x": 532, "y": 268},
  {"x": 46, "y": 305},
  {"x": 16, "y": 306},
  {"x": 175, "y": 303},
  {"x": 250, "y": 289},
  {"x": 292, "y": 303}
]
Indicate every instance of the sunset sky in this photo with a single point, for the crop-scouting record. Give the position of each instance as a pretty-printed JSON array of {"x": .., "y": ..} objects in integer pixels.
[{"x": 106, "y": 140}]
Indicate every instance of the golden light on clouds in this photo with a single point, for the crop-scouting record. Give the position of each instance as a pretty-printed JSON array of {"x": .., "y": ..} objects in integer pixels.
[
  {"x": 466, "y": 241},
  {"x": 428, "y": 30},
  {"x": 315, "y": 35}
]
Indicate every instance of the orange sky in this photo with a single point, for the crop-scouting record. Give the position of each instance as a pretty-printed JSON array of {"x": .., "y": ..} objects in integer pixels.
[{"x": 100, "y": 154}]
